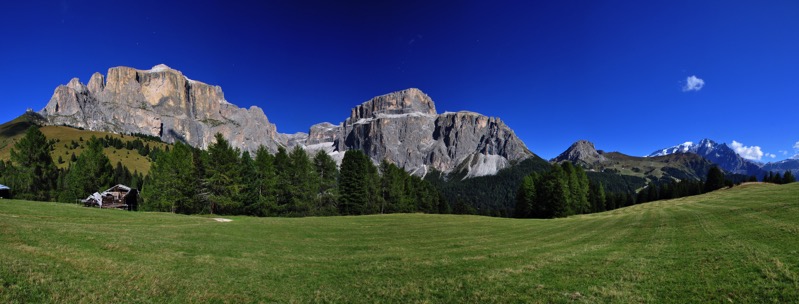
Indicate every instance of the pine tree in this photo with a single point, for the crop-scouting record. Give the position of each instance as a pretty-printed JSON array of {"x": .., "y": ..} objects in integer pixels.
[
  {"x": 302, "y": 176},
  {"x": 266, "y": 180},
  {"x": 91, "y": 172},
  {"x": 526, "y": 197},
  {"x": 353, "y": 186},
  {"x": 223, "y": 180},
  {"x": 715, "y": 179},
  {"x": 393, "y": 189},
  {"x": 171, "y": 185},
  {"x": 283, "y": 187},
  {"x": 327, "y": 192},
  {"x": 788, "y": 177},
  {"x": 248, "y": 178},
  {"x": 35, "y": 173}
]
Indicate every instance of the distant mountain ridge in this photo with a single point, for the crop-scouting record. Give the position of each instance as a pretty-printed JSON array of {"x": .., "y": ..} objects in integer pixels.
[
  {"x": 718, "y": 153},
  {"x": 664, "y": 168},
  {"x": 402, "y": 127}
]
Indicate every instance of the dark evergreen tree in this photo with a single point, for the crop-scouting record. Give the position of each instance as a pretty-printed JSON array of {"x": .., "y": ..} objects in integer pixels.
[
  {"x": 597, "y": 197},
  {"x": 526, "y": 197},
  {"x": 223, "y": 181},
  {"x": 248, "y": 177},
  {"x": 266, "y": 180},
  {"x": 302, "y": 176},
  {"x": 35, "y": 174},
  {"x": 91, "y": 172},
  {"x": 284, "y": 189},
  {"x": 715, "y": 179},
  {"x": 353, "y": 185},
  {"x": 788, "y": 177},
  {"x": 327, "y": 193},
  {"x": 171, "y": 184},
  {"x": 393, "y": 189}
]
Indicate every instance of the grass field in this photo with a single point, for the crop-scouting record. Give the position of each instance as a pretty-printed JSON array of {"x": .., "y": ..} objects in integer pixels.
[{"x": 731, "y": 246}]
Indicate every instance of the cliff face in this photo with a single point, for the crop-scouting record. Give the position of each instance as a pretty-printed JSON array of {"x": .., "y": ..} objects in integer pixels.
[
  {"x": 159, "y": 102},
  {"x": 401, "y": 127},
  {"x": 404, "y": 128}
]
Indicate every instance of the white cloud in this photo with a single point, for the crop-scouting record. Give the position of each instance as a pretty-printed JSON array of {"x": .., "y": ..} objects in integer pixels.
[
  {"x": 693, "y": 83},
  {"x": 783, "y": 152},
  {"x": 772, "y": 155},
  {"x": 796, "y": 146},
  {"x": 750, "y": 153}
]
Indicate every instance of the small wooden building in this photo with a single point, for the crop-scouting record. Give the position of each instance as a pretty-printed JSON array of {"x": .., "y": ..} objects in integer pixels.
[{"x": 116, "y": 197}]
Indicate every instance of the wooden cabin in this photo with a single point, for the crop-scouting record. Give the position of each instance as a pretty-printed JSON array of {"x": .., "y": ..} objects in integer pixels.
[{"x": 116, "y": 197}]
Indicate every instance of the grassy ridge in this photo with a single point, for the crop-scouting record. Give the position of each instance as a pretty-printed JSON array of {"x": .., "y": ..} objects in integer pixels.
[
  {"x": 12, "y": 131},
  {"x": 736, "y": 245}
]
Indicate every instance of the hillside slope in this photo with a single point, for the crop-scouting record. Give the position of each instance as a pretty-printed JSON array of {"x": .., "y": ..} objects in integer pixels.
[
  {"x": 736, "y": 245},
  {"x": 13, "y": 130}
]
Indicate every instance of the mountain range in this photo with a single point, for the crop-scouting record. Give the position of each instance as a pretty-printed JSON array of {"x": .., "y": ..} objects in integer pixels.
[
  {"x": 639, "y": 171},
  {"x": 729, "y": 160},
  {"x": 402, "y": 127}
]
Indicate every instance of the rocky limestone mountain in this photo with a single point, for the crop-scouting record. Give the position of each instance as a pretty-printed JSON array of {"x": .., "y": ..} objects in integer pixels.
[
  {"x": 718, "y": 153},
  {"x": 159, "y": 102},
  {"x": 581, "y": 152},
  {"x": 404, "y": 128},
  {"x": 401, "y": 127}
]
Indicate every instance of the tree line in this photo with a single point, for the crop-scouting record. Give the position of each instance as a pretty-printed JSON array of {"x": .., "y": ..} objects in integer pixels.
[
  {"x": 224, "y": 180},
  {"x": 565, "y": 190},
  {"x": 32, "y": 174},
  {"x": 777, "y": 178}
]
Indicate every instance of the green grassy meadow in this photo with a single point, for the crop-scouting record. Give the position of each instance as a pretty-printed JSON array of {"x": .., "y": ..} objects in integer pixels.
[{"x": 739, "y": 245}]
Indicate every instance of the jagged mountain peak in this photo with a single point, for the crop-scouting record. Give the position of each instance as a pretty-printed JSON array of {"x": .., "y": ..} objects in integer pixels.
[
  {"x": 395, "y": 104},
  {"x": 718, "y": 153},
  {"x": 161, "y": 68},
  {"x": 580, "y": 152}
]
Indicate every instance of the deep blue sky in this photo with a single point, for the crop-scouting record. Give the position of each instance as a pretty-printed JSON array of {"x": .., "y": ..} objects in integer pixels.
[{"x": 612, "y": 72}]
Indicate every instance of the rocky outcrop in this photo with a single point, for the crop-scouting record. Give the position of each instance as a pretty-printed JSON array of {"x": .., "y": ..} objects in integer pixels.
[
  {"x": 402, "y": 127},
  {"x": 160, "y": 102},
  {"x": 581, "y": 152}
]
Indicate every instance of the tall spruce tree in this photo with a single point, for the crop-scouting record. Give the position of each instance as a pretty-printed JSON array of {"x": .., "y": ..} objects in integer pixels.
[
  {"x": 248, "y": 193},
  {"x": 224, "y": 181},
  {"x": 353, "y": 185},
  {"x": 302, "y": 176},
  {"x": 91, "y": 172},
  {"x": 327, "y": 192},
  {"x": 172, "y": 183},
  {"x": 34, "y": 172},
  {"x": 788, "y": 177},
  {"x": 283, "y": 188},
  {"x": 266, "y": 180},
  {"x": 392, "y": 188},
  {"x": 715, "y": 179}
]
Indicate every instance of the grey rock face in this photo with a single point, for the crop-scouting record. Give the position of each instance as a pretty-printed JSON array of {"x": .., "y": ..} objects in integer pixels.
[
  {"x": 581, "y": 152},
  {"x": 323, "y": 133},
  {"x": 402, "y": 127},
  {"x": 159, "y": 102}
]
